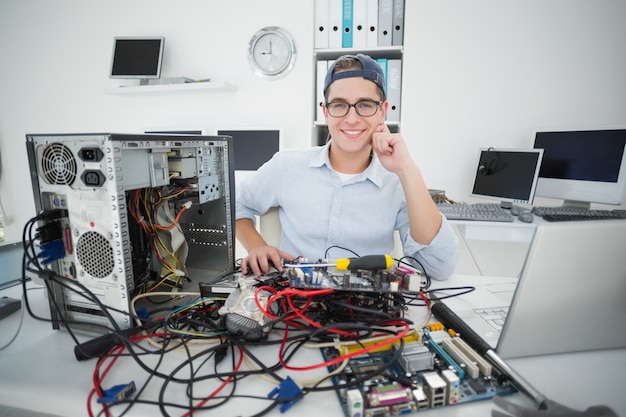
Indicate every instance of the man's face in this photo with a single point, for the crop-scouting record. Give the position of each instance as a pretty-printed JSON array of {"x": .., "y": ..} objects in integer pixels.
[{"x": 353, "y": 133}]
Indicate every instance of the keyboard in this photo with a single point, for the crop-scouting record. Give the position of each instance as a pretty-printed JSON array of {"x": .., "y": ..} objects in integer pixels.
[
  {"x": 495, "y": 316},
  {"x": 563, "y": 214},
  {"x": 478, "y": 212}
]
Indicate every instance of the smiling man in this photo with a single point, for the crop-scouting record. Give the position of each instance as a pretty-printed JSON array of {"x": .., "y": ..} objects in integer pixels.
[{"x": 350, "y": 195}]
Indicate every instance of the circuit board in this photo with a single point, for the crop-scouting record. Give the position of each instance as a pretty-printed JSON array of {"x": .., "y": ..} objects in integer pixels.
[
  {"x": 399, "y": 279},
  {"x": 436, "y": 371}
]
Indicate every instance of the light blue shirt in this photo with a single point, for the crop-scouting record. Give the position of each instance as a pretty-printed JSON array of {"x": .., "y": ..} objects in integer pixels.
[{"x": 318, "y": 211}]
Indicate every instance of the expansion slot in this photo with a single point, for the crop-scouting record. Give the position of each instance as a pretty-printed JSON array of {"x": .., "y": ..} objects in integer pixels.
[
  {"x": 471, "y": 369},
  {"x": 484, "y": 366},
  {"x": 442, "y": 353}
]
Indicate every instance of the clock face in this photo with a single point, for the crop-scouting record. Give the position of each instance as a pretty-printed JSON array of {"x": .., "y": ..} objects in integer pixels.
[{"x": 272, "y": 53}]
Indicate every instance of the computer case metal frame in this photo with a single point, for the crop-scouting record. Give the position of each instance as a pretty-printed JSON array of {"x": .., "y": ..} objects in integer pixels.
[{"x": 91, "y": 176}]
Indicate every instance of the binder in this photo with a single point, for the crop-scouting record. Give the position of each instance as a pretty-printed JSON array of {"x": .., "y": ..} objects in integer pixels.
[
  {"x": 359, "y": 23},
  {"x": 397, "y": 37},
  {"x": 372, "y": 23},
  {"x": 322, "y": 69},
  {"x": 394, "y": 89},
  {"x": 335, "y": 23},
  {"x": 385, "y": 22},
  {"x": 383, "y": 64},
  {"x": 321, "y": 24},
  {"x": 346, "y": 36}
]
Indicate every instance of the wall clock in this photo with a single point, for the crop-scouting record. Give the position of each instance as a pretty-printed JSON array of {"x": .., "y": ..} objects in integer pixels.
[{"x": 272, "y": 52}]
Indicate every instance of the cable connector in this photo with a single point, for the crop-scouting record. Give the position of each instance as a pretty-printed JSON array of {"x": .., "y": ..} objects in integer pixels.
[
  {"x": 51, "y": 252},
  {"x": 287, "y": 393},
  {"x": 117, "y": 393},
  {"x": 54, "y": 214},
  {"x": 187, "y": 205}
]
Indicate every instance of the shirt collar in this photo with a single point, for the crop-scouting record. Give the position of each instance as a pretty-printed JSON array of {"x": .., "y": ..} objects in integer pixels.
[{"x": 374, "y": 171}]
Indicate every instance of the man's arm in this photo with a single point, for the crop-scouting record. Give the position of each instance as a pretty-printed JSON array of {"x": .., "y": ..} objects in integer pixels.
[
  {"x": 424, "y": 217},
  {"x": 260, "y": 254}
]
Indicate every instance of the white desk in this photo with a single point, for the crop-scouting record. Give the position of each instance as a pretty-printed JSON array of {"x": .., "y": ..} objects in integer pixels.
[{"x": 39, "y": 372}]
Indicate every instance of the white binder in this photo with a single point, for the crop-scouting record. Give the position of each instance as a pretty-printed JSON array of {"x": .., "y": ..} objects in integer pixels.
[
  {"x": 359, "y": 23},
  {"x": 397, "y": 37},
  {"x": 385, "y": 22},
  {"x": 394, "y": 89},
  {"x": 372, "y": 23},
  {"x": 321, "y": 24},
  {"x": 335, "y": 23}
]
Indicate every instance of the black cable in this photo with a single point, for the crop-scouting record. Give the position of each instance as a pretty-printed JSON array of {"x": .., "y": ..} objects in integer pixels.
[
  {"x": 428, "y": 279},
  {"x": 461, "y": 291}
]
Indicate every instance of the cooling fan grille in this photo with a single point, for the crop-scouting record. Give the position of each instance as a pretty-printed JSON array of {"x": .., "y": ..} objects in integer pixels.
[
  {"x": 58, "y": 164},
  {"x": 242, "y": 315},
  {"x": 95, "y": 254}
]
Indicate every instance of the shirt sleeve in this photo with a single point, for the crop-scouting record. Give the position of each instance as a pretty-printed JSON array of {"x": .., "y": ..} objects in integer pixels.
[
  {"x": 439, "y": 258},
  {"x": 257, "y": 194}
]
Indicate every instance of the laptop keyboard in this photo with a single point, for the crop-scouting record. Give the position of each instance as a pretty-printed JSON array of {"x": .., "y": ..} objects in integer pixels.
[{"x": 495, "y": 316}]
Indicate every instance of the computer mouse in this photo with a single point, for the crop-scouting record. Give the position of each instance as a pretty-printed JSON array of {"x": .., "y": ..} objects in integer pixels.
[{"x": 527, "y": 217}]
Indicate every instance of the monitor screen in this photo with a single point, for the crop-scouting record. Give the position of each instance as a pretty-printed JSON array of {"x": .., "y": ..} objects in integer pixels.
[
  {"x": 137, "y": 57},
  {"x": 508, "y": 175},
  {"x": 582, "y": 166},
  {"x": 253, "y": 148}
]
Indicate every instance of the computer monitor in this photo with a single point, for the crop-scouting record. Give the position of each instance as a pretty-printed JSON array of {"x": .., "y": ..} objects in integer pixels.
[
  {"x": 508, "y": 175},
  {"x": 252, "y": 148},
  {"x": 137, "y": 57},
  {"x": 582, "y": 166}
]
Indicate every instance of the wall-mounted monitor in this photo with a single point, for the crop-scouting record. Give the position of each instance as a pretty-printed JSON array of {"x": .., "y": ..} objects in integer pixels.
[
  {"x": 137, "y": 57},
  {"x": 507, "y": 175},
  {"x": 582, "y": 166}
]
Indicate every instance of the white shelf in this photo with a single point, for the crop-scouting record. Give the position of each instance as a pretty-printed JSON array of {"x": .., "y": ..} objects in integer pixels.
[
  {"x": 373, "y": 51},
  {"x": 173, "y": 88}
]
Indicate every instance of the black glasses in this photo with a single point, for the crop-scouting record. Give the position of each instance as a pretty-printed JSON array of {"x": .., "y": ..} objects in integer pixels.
[{"x": 365, "y": 108}]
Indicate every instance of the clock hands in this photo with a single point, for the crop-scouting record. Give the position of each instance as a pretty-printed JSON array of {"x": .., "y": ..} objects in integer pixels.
[{"x": 270, "y": 51}]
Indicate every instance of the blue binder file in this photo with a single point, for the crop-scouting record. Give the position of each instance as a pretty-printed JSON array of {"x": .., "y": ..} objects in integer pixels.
[
  {"x": 346, "y": 36},
  {"x": 383, "y": 64}
]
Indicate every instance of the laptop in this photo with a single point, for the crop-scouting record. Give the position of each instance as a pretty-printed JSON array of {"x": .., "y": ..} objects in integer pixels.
[{"x": 571, "y": 294}]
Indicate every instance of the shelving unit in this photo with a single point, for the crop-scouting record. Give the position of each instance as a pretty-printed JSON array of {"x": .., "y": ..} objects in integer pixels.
[
  {"x": 199, "y": 87},
  {"x": 388, "y": 52}
]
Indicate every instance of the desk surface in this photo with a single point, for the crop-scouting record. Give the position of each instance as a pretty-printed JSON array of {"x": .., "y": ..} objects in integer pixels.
[{"x": 39, "y": 372}]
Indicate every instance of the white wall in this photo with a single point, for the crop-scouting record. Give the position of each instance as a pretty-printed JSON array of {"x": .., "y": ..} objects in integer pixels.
[
  {"x": 476, "y": 74},
  {"x": 56, "y": 58},
  {"x": 486, "y": 73}
]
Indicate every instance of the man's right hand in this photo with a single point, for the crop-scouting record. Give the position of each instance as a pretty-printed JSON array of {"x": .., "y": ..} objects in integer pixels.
[{"x": 260, "y": 259}]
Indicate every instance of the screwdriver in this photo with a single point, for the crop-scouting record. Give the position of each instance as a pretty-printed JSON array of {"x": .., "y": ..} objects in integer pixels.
[{"x": 368, "y": 262}]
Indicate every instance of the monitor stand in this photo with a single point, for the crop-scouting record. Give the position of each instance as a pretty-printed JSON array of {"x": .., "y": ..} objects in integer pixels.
[{"x": 585, "y": 205}]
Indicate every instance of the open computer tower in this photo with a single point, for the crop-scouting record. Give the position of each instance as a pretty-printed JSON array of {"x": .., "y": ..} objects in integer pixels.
[{"x": 128, "y": 203}]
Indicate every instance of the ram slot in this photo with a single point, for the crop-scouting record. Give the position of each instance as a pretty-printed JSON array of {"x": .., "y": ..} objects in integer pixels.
[
  {"x": 484, "y": 366},
  {"x": 457, "y": 355}
]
